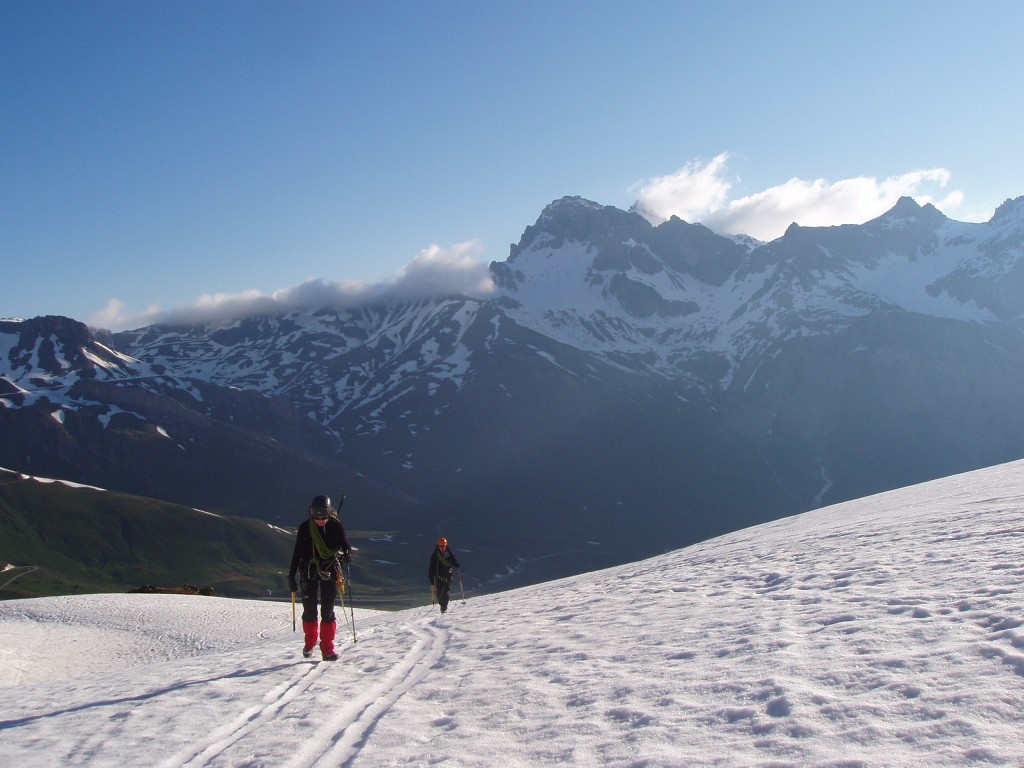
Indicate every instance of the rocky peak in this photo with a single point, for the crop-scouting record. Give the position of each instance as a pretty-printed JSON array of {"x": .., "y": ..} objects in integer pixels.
[
  {"x": 1011, "y": 210},
  {"x": 578, "y": 220},
  {"x": 907, "y": 214},
  {"x": 59, "y": 346}
]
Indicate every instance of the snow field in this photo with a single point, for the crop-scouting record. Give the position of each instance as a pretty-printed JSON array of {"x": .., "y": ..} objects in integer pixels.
[{"x": 880, "y": 632}]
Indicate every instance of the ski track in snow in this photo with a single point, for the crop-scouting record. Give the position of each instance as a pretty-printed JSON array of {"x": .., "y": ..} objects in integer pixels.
[
  {"x": 337, "y": 732},
  {"x": 342, "y": 736},
  {"x": 206, "y": 751},
  {"x": 371, "y": 677}
]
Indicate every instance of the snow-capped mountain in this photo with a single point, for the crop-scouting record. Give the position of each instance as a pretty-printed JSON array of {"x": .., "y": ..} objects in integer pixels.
[
  {"x": 651, "y": 385},
  {"x": 665, "y": 297},
  {"x": 73, "y": 407},
  {"x": 326, "y": 362}
]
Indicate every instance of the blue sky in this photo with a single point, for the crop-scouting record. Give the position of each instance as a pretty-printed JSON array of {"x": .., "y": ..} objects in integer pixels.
[{"x": 182, "y": 156}]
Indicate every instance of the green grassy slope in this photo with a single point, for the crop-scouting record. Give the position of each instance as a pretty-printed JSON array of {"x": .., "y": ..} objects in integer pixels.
[{"x": 58, "y": 539}]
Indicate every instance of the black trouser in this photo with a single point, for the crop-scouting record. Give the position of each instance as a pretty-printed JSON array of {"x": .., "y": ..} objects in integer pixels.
[
  {"x": 443, "y": 588},
  {"x": 316, "y": 590}
]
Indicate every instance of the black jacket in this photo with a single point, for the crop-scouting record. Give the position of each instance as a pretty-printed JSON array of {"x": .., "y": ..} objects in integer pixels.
[
  {"x": 440, "y": 570},
  {"x": 304, "y": 556}
]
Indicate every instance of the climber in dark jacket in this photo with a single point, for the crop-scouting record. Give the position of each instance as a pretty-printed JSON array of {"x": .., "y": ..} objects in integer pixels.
[
  {"x": 442, "y": 562},
  {"x": 319, "y": 546}
]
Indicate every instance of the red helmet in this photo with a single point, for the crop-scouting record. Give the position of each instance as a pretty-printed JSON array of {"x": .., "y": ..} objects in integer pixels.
[{"x": 442, "y": 542}]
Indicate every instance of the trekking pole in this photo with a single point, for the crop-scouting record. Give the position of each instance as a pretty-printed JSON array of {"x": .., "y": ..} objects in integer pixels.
[
  {"x": 347, "y": 623},
  {"x": 351, "y": 607},
  {"x": 460, "y": 585},
  {"x": 293, "y": 611},
  {"x": 339, "y": 581},
  {"x": 432, "y": 596}
]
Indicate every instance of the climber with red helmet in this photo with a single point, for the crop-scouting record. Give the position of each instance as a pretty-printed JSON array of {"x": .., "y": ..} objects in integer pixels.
[
  {"x": 319, "y": 545},
  {"x": 442, "y": 563}
]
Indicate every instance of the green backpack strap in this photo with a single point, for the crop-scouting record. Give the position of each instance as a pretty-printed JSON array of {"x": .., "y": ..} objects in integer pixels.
[
  {"x": 444, "y": 567},
  {"x": 321, "y": 552}
]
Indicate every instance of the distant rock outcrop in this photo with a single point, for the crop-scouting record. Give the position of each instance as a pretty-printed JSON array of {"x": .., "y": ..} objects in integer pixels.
[{"x": 184, "y": 589}]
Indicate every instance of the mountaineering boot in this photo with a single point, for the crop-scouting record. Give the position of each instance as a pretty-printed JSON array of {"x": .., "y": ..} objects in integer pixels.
[
  {"x": 327, "y": 631},
  {"x": 309, "y": 630}
]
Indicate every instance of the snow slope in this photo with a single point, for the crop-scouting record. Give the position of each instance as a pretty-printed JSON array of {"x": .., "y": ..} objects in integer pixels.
[{"x": 881, "y": 632}]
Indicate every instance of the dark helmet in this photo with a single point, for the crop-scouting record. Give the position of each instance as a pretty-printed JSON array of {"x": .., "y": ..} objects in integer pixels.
[{"x": 320, "y": 506}]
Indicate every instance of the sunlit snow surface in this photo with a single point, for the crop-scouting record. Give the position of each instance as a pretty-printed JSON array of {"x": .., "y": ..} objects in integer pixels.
[{"x": 881, "y": 632}]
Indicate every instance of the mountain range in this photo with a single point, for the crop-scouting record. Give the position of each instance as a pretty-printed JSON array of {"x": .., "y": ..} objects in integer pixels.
[{"x": 625, "y": 390}]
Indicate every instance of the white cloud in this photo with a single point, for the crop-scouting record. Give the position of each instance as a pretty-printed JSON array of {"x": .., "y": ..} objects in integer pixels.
[
  {"x": 435, "y": 271},
  {"x": 699, "y": 193},
  {"x": 691, "y": 193},
  {"x": 110, "y": 316},
  {"x": 116, "y": 315}
]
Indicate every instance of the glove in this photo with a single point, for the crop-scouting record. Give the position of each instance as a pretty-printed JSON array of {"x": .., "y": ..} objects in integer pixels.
[
  {"x": 292, "y": 586},
  {"x": 346, "y": 556}
]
